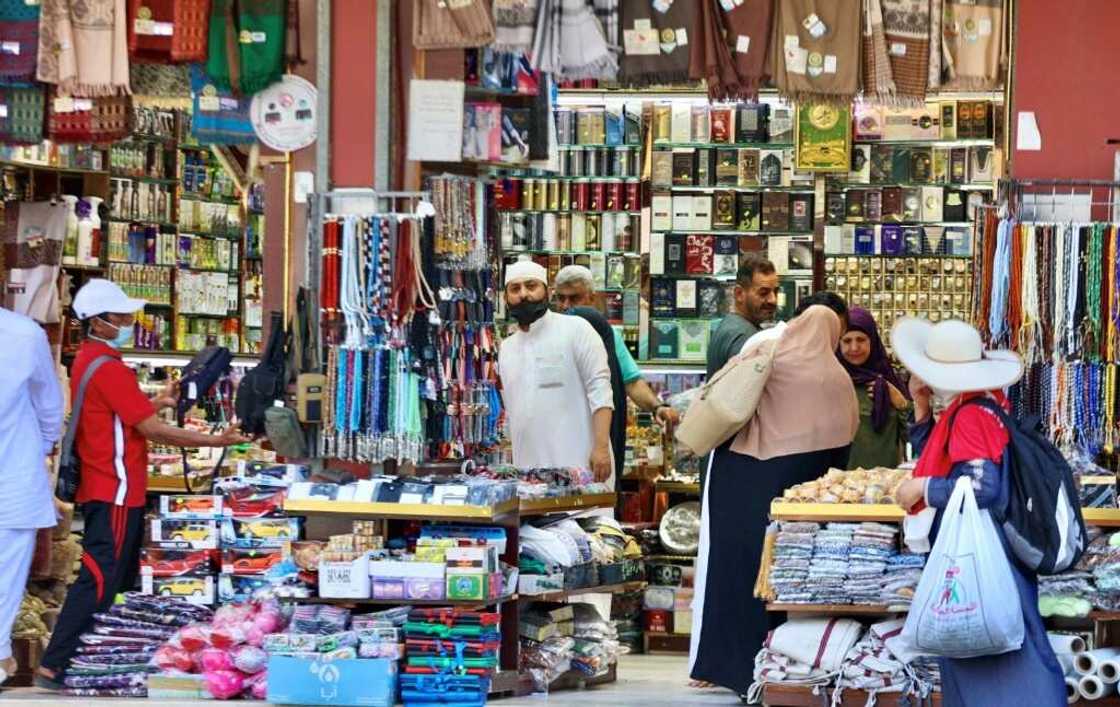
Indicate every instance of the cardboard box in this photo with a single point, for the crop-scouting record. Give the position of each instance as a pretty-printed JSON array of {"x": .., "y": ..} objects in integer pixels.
[
  {"x": 197, "y": 590},
  {"x": 190, "y": 507},
  {"x": 345, "y": 580},
  {"x": 259, "y": 532},
  {"x": 393, "y": 579},
  {"x": 369, "y": 682},
  {"x": 471, "y": 560},
  {"x": 161, "y": 562},
  {"x": 177, "y": 687},
  {"x": 196, "y": 534},
  {"x": 469, "y": 587},
  {"x": 682, "y": 622},
  {"x": 237, "y": 588}
]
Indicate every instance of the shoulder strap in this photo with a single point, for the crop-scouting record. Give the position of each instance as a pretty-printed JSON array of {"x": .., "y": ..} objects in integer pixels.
[{"x": 66, "y": 452}]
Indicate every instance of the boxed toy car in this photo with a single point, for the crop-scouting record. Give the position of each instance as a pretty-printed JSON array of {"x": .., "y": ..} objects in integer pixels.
[
  {"x": 190, "y": 507},
  {"x": 197, "y": 590},
  {"x": 251, "y": 561},
  {"x": 259, "y": 532},
  {"x": 169, "y": 562},
  {"x": 254, "y": 501},
  {"x": 196, "y": 534}
]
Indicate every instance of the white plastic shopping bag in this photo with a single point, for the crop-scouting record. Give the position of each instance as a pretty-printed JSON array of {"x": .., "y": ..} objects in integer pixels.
[{"x": 967, "y": 604}]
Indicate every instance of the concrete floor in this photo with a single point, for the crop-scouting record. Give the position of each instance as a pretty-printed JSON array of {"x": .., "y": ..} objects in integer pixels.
[{"x": 643, "y": 681}]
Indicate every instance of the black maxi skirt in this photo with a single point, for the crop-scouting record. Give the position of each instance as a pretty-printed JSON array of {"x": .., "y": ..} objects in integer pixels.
[{"x": 728, "y": 624}]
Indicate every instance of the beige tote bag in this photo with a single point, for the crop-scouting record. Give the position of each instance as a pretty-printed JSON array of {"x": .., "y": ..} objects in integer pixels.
[{"x": 728, "y": 400}]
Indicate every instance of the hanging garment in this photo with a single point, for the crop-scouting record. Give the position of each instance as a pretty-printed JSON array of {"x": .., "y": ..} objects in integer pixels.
[
  {"x": 219, "y": 118},
  {"x": 729, "y": 48},
  {"x": 437, "y": 24},
  {"x": 660, "y": 54},
  {"x": 936, "y": 8},
  {"x": 84, "y": 120},
  {"x": 514, "y": 23},
  {"x": 168, "y": 30},
  {"x": 571, "y": 42},
  {"x": 820, "y": 61},
  {"x": 83, "y": 47},
  {"x": 24, "y": 122},
  {"x": 906, "y": 26},
  {"x": 19, "y": 35},
  {"x": 246, "y": 44},
  {"x": 877, "y": 78},
  {"x": 165, "y": 86},
  {"x": 972, "y": 33}
]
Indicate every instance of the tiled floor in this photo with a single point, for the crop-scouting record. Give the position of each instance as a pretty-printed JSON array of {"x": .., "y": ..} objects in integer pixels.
[{"x": 644, "y": 681}]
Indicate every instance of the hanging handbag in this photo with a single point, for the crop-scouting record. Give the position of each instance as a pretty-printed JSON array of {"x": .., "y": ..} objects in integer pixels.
[
  {"x": 265, "y": 384},
  {"x": 451, "y": 24},
  {"x": 69, "y": 465},
  {"x": 727, "y": 401}
]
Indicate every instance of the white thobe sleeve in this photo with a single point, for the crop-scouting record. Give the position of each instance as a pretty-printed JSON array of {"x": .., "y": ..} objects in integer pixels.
[
  {"x": 46, "y": 395},
  {"x": 594, "y": 371}
]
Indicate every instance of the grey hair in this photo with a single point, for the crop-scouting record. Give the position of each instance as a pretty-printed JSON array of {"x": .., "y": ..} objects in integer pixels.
[{"x": 574, "y": 275}]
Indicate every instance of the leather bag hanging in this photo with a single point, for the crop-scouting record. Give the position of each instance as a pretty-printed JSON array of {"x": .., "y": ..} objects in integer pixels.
[
  {"x": 451, "y": 24},
  {"x": 727, "y": 401}
]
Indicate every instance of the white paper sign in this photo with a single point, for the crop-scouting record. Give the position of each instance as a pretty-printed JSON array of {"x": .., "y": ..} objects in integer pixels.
[
  {"x": 898, "y": 49},
  {"x": 1027, "y": 136},
  {"x": 743, "y": 44},
  {"x": 435, "y": 120}
]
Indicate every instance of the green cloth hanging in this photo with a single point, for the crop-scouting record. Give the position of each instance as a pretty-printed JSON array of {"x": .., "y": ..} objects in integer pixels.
[{"x": 247, "y": 40}]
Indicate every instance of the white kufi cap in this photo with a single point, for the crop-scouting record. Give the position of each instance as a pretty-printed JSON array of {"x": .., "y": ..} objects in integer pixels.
[{"x": 525, "y": 270}]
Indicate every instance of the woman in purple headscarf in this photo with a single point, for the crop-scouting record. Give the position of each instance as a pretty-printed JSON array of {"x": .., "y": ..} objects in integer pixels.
[{"x": 884, "y": 402}]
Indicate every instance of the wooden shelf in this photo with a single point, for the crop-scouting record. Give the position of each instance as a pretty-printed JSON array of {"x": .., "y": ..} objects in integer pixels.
[
  {"x": 835, "y": 511},
  {"x": 602, "y": 589},
  {"x": 461, "y": 603},
  {"x": 658, "y": 643},
  {"x": 51, "y": 168},
  {"x": 837, "y": 609},
  {"x": 405, "y": 511},
  {"x": 802, "y": 696},
  {"x": 1104, "y": 517},
  {"x": 669, "y": 558},
  {"x": 562, "y": 504},
  {"x": 678, "y": 487}
]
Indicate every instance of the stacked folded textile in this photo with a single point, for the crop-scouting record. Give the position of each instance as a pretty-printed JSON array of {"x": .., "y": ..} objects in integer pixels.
[
  {"x": 871, "y": 665},
  {"x": 828, "y": 570},
  {"x": 904, "y": 571},
  {"x": 804, "y": 651},
  {"x": 793, "y": 552},
  {"x": 872, "y": 546}
]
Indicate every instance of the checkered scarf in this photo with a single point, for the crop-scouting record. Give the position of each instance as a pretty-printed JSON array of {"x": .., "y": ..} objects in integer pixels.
[
  {"x": 514, "y": 22},
  {"x": 571, "y": 41},
  {"x": 906, "y": 26},
  {"x": 877, "y": 78}
]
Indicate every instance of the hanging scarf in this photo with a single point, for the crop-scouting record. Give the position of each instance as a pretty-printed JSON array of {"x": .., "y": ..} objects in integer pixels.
[
  {"x": 83, "y": 47},
  {"x": 514, "y": 22},
  {"x": 877, "y": 78},
  {"x": 161, "y": 86},
  {"x": 438, "y": 24},
  {"x": 192, "y": 25},
  {"x": 151, "y": 25},
  {"x": 24, "y": 123},
  {"x": 906, "y": 26},
  {"x": 972, "y": 32},
  {"x": 936, "y": 8},
  {"x": 19, "y": 35},
  {"x": 976, "y": 434},
  {"x": 644, "y": 64},
  {"x": 246, "y": 44},
  {"x": 218, "y": 117},
  {"x": 570, "y": 42},
  {"x": 824, "y": 68},
  {"x": 876, "y": 371},
  {"x": 730, "y": 47},
  {"x": 98, "y": 120}
]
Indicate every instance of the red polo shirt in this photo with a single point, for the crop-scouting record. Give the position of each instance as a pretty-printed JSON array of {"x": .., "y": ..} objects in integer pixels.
[{"x": 114, "y": 454}]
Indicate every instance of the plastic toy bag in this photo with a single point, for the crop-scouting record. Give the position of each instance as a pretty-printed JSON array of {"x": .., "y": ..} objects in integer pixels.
[
  {"x": 966, "y": 604},
  {"x": 194, "y": 637},
  {"x": 214, "y": 659},
  {"x": 256, "y": 686},
  {"x": 249, "y": 659},
  {"x": 168, "y": 657},
  {"x": 224, "y": 684}
]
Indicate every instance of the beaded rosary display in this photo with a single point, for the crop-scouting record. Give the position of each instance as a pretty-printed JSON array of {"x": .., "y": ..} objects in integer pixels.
[{"x": 1051, "y": 293}]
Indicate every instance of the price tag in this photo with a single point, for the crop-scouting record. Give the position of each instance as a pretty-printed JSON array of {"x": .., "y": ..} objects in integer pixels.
[
  {"x": 83, "y": 104},
  {"x": 209, "y": 104},
  {"x": 228, "y": 103},
  {"x": 743, "y": 44},
  {"x": 682, "y": 37},
  {"x": 64, "y": 104},
  {"x": 163, "y": 29},
  {"x": 3, "y": 110},
  {"x": 898, "y": 49},
  {"x": 145, "y": 27},
  {"x": 11, "y": 48},
  {"x": 259, "y": 37},
  {"x": 31, "y": 3}
]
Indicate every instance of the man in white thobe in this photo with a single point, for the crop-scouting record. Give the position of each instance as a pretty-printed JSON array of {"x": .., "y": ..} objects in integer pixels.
[
  {"x": 556, "y": 383},
  {"x": 30, "y": 422}
]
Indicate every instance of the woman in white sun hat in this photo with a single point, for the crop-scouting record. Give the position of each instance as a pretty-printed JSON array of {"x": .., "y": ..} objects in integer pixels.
[{"x": 949, "y": 363}]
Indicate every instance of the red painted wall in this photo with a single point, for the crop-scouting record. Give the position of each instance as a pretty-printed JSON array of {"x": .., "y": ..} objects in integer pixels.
[
  {"x": 353, "y": 85},
  {"x": 1067, "y": 70}
]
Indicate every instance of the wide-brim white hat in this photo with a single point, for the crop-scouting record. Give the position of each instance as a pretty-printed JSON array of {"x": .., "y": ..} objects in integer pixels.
[{"x": 950, "y": 356}]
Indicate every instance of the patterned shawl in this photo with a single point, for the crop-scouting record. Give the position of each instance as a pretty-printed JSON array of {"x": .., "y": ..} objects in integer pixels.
[
  {"x": 246, "y": 44},
  {"x": 24, "y": 122},
  {"x": 675, "y": 27},
  {"x": 19, "y": 36},
  {"x": 83, "y": 46},
  {"x": 729, "y": 50},
  {"x": 973, "y": 37},
  {"x": 161, "y": 86},
  {"x": 571, "y": 42},
  {"x": 906, "y": 25},
  {"x": 514, "y": 21},
  {"x": 151, "y": 24},
  {"x": 218, "y": 117},
  {"x": 822, "y": 68},
  {"x": 437, "y": 24},
  {"x": 98, "y": 120},
  {"x": 936, "y": 8},
  {"x": 877, "y": 78}
]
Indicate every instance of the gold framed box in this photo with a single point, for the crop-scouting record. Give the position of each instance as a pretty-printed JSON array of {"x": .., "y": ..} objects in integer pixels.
[{"x": 823, "y": 138}]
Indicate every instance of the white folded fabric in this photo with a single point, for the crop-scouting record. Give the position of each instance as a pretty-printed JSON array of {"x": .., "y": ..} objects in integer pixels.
[{"x": 818, "y": 642}]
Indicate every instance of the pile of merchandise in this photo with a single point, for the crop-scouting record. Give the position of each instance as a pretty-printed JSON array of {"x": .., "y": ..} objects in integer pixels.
[
  {"x": 557, "y": 638},
  {"x": 547, "y": 483},
  {"x": 450, "y": 656},
  {"x": 116, "y": 656},
  {"x": 1093, "y": 583},
  {"x": 841, "y": 563},
  {"x": 436, "y": 490},
  {"x": 838, "y": 654},
  {"x": 574, "y": 554},
  {"x": 856, "y": 486}
]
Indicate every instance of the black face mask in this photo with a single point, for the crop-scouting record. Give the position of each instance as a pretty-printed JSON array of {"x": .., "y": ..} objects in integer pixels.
[{"x": 528, "y": 311}]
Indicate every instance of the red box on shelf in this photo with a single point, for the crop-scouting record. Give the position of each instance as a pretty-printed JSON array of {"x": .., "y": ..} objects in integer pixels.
[
  {"x": 163, "y": 562},
  {"x": 254, "y": 502},
  {"x": 657, "y": 620},
  {"x": 241, "y": 562}
]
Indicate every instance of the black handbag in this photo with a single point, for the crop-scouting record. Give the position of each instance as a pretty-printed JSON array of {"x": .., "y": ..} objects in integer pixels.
[
  {"x": 200, "y": 375},
  {"x": 69, "y": 465},
  {"x": 265, "y": 384}
]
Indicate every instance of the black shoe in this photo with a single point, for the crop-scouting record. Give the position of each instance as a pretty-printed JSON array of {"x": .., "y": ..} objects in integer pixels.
[{"x": 54, "y": 684}]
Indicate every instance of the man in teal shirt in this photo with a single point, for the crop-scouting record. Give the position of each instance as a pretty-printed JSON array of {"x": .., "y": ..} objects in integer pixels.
[{"x": 574, "y": 287}]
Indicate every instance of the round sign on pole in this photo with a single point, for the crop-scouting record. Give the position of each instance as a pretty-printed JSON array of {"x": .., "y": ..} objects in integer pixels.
[{"x": 285, "y": 115}]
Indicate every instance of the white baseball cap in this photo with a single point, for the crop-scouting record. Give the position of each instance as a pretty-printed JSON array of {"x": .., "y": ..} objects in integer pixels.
[{"x": 104, "y": 296}]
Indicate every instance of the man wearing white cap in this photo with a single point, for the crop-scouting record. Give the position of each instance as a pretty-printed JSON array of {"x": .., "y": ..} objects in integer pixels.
[
  {"x": 115, "y": 424},
  {"x": 556, "y": 383}
]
